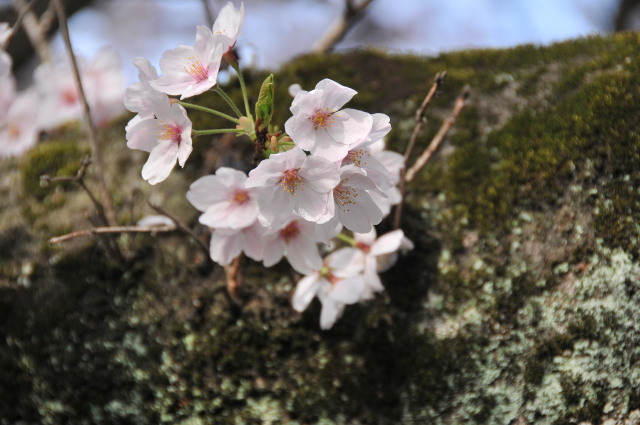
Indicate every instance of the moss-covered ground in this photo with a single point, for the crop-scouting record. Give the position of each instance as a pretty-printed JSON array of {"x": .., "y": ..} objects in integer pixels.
[{"x": 520, "y": 303}]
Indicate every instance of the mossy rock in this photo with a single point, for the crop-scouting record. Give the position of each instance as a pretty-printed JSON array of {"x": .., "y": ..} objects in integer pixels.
[{"x": 518, "y": 305}]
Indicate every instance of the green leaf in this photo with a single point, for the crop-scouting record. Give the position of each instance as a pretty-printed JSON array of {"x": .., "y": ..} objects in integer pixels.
[{"x": 264, "y": 105}]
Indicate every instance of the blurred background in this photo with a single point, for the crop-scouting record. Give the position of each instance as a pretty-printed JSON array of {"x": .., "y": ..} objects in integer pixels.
[{"x": 277, "y": 30}]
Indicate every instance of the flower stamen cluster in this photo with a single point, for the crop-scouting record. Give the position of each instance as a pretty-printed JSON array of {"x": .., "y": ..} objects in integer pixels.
[
  {"x": 290, "y": 181},
  {"x": 322, "y": 118}
]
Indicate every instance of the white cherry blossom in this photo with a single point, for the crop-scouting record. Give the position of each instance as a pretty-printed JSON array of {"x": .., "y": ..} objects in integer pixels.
[
  {"x": 226, "y": 244},
  {"x": 292, "y": 182},
  {"x": 319, "y": 125},
  {"x": 140, "y": 97},
  {"x": 228, "y": 24},
  {"x": 375, "y": 249},
  {"x": 339, "y": 282},
  {"x": 393, "y": 163},
  {"x": 298, "y": 241},
  {"x": 351, "y": 202},
  {"x": 166, "y": 136},
  {"x": 224, "y": 199},
  {"x": 19, "y": 132},
  {"x": 103, "y": 83},
  {"x": 191, "y": 70}
]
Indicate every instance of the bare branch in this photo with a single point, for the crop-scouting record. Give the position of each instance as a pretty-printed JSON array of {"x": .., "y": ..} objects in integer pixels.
[
  {"x": 48, "y": 18},
  {"x": 439, "y": 137},
  {"x": 421, "y": 119},
  {"x": 105, "y": 199},
  {"x": 182, "y": 227},
  {"x": 112, "y": 229},
  {"x": 31, "y": 25},
  {"x": 340, "y": 28},
  {"x": 79, "y": 179},
  {"x": 407, "y": 176}
]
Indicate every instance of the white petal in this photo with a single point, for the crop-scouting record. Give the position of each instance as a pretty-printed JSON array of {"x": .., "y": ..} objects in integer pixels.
[
  {"x": 360, "y": 215},
  {"x": 346, "y": 262},
  {"x": 143, "y": 134},
  {"x": 253, "y": 242},
  {"x": 302, "y": 254},
  {"x": 348, "y": 290},
  {"x": 350, "y": 126},
  {"x": 206, "y": 191},
  {"x": 331, "y": 311},
  {"x": 306, "y": 289},
  {"x": 146, "y": 71},
  {"x": 161, "y": 161},
  {"x": 334, "y": 95},
  {"x": 387, "y": 243},
  {"x": 301, "y": 131},
  {"x": 225, "y": 246}
]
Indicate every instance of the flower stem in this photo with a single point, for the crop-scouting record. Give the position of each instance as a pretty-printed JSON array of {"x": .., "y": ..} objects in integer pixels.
[
  {"x": 208, "y": 110},
  {"x": 197, "y": 133},
  {"x": 227, "y": 99},
  {"x": 347, "y": 239},
  {"x": 243, "y": 87}
]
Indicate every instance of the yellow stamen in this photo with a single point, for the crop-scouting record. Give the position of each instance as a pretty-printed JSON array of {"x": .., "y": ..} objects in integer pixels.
[
  {"x": 170, "y": 132},
  {"x": 356, "y": 157},
  {"x": 322, "y": 118},
  {"x": 196, "y": 69},
  {"x": 240, "y": 196},
  {"x": 344, "y": 195},
  {"x": 290, "y": 181}
]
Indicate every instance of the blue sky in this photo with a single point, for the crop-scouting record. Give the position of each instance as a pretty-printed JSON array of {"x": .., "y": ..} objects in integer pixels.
[{"x": 277, "y": 30}]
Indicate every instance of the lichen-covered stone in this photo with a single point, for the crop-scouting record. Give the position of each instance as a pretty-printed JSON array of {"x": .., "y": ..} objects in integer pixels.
[{"x": 519, "y": 305}]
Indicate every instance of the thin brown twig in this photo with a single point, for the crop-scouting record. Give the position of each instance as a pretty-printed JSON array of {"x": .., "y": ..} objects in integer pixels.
[
  {"x": 48, "y": 18},
  {"x": 421, "y": 118},
  {"x": 79, "y": 179},
  {"x": 428, "y": 152},
  {"x": 340, "y": 28},
  {"x": 234, "y": 279},
  {"x": 439, "y": 137},
  {"x": 16, "y": 25},
  {"x": 112, "y": 229},
  {"x": 105, "y": 199},
  {"x": 31, "y": 25},
  {"x": 111, "y": 245},
  {"x": 182, "y": 227}
]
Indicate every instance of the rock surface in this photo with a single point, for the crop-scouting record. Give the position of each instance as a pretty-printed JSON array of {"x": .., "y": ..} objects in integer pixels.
[{"x": 520, "y": 303}]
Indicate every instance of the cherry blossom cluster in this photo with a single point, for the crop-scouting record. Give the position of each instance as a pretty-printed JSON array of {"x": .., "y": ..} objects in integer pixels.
[
  {"x": 53, "y": 99},
  {"x": 328, "y": 172}
]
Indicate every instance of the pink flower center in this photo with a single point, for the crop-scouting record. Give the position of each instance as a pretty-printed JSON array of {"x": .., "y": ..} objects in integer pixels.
[
  {"x": 363, "y": 247},
  {"x": 240, "y": 196},
  {"x": 69, "y": 97},
  {"x": 355, "y": 157},
  {"x": 289, "y": 232},
  {"x": 170, "y": 132},
  {"x": 326, "y": 272},
  {"x": 344, "y": 195},
  {"x": 322, "y": 118},
  {"x": 196, "y": 69},
  {"x": 290, "y": 180},
  {"x": 13, "y": 130}
]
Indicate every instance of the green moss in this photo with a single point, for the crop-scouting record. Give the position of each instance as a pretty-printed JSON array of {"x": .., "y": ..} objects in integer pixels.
[{"x": 53, "y": 158}]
